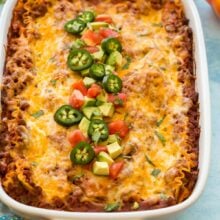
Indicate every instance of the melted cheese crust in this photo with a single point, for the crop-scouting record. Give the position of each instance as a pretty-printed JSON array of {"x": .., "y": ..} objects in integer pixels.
[{"x": 151, "y": 83}]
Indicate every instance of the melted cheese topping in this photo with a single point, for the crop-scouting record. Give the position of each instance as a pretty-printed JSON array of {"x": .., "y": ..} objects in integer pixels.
[{"x": 153, "y": 91}]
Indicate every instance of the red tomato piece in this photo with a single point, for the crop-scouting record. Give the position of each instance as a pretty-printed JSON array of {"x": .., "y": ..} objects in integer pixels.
[
  {"x": 92, "y": 49},
  {"x": 117, "y": 100},
  {"x": 104, "y": 18},
  {"x": 105, "y": 33},
  {"x": 92, "y": 38},
  {"x": 76, "y": 99},
  {"x": 99, "y": 149},
  {"x": 118, "y": 127},
  {"x": 115, "y": 169},
  {"x": 75, "y": 137},
  {"x": 81, "y": 87},
  {"x": 94, "y": 91}
]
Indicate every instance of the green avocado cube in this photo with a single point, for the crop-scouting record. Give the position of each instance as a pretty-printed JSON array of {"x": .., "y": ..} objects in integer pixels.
[
  {"x": 102, "y": 97},
  {"x": 88, "y": 102},
  {"x": 85, "y": 72},
  {"x": 107, "y": 109},
  {"x": 98, "y": 55},
  {"x": 113, "y": 138},
  {"x": 88, "y": 81},
  {"x": 104, "y": 157},
  {"x": 101, "y": 168},
  {"x": 91, "y": 111},
  {"x": 114, "y": 150},
  {"x": 115, "y": 59},
  {"x": 109, "y": 69},
  {"x": 97, "y": 117},
  {"x": 97, "y": 25},
  {"x": 84, "y": 126}
]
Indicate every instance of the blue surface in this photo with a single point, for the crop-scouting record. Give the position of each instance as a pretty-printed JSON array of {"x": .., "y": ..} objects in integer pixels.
[{"x": 208, "y": 206}]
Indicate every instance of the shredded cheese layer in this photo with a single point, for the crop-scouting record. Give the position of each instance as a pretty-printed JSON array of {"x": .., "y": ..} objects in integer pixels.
[{"x": 156, "y": 109}]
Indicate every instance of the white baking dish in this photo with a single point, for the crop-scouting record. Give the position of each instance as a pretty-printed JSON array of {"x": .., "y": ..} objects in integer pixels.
[{"x": 204, "y": 157}]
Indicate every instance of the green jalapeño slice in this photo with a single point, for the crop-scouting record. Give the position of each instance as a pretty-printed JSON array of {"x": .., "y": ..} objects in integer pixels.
[
  {"x": 79, "y": 60},
  {"x": 98, "y": 130},
  {"x": 75, "y": 26},
  {"x": 82, "y": 154},
  {"x": 112, "y": 83},
  {"x": 111, "y": 45},
  {"x": 67, "y": 116},
  {"x": 86, "y": 16},
  {"x": 97, "y": 71}
]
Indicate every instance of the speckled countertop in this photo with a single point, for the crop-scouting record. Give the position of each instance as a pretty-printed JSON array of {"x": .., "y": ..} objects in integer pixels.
[{"x": 208, "y": 206}]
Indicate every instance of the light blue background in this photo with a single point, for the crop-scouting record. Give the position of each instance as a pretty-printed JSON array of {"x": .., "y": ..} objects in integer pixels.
[{"x": 208, "y": 206}]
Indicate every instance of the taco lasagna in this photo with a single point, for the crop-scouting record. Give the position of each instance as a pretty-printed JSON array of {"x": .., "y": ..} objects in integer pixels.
[{"x": 99, "y": 110}]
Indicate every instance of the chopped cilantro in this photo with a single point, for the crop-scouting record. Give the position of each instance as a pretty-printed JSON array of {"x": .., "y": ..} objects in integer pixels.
[
  {"x": 38, "y": 114},
  {"x": 127, "y": 64},
  {"x": 155, "y": 172},
  {"x": 111, "y": 207},
  {"x": 157, "y": 24},
  {"x": 160, "y": 137},
  {"x": 149, "y": 161},
  {"x": 53, "y": 82},
  {"x": 161, "y": 121},
  {"x": 76, "y": 177},
  {"x": 119, "y": 102}
]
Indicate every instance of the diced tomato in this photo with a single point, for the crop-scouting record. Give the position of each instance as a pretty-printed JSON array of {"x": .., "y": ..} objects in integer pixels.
[
  {"x": 76, "y": 99},
  {"x": 92, "y": 49},
  {"x": 94, "y": 91},
  {"x": 118, "y": 100},
  {"x": 92, "y": 38},
  {"x": 115, "y": 169},
  {"x": 104, "y": 18},
  {"x": 75, "y": 137},
  {"x": 111, "y": 98},
  {"x": 105, "y": 33},
  {"x": 118, "y": 127},
  {"x": 99, "y": 149},
  {"x": 81, "y": 87}
]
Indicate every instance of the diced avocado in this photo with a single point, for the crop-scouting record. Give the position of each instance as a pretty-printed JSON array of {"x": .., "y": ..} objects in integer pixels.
[
  {"x": 83, "y": 32},
  {"x": 84, "y": 126},
  {"x": 88, "y": 81},
  {"x": 85, "y": 72},
  {"x": 98, "y": 55},
  {"x": 102, "y": 97},
  {"x": 98, "y": 102},
  {"x": 103, "y": 143},
  {"x": 101, "y": 168},
  {"x": 90, "y": 111},
  {"x": 97, "y": 117},
  {"x": 109, "y": 69},
  {"x": 107, "y": 109},
  {"x": 113, "y": 138},
  {"x": 77, "y": 44},
  {"x": 104, "y": 157},
  {"x": 114, "y": 150},
  {"x": 97, "y": 25},
  {"x": 88, "y": 102},
  {"x": 115, "y": 59}
]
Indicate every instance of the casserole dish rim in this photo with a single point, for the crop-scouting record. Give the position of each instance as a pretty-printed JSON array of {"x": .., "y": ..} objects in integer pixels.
[{"x": 205, "y": 135}]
